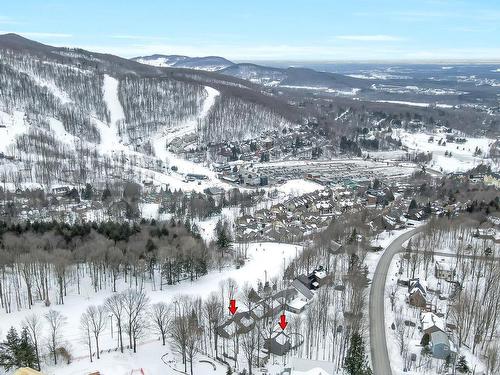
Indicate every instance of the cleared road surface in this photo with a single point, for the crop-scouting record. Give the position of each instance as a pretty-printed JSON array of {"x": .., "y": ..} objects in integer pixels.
[{"x": 380, "y": 356}]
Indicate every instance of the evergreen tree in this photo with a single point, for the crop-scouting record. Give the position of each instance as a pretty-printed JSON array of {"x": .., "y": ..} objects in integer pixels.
[
  {"x": 87, "y": 192},
  {"x": 17, "y": 351},
  {"x": 187, "y": 224},
  {"x": 355, "y": 361},
  {"x": 413, "y": 205},
  {"x": 223, "y": 237},
  {"x": 26, "y": 351},
  {"x": 9, "y": 350},
  {"x": 106, "y": 194},
  {"x": 462, "y": 365}
]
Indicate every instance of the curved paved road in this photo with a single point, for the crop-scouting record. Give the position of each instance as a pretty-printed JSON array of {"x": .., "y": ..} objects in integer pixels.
[{"x": 380, "y": 356}]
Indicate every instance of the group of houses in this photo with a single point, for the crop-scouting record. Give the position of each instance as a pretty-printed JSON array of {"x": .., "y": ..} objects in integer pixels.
[
  {"x": 489, "y": 230},
  {"x": 436, "y": 334},
  {"x": 295, "y": 217},
  {"x": 264, "y": 309}
]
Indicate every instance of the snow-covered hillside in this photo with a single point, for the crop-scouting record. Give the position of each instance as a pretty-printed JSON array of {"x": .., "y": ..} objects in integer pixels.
[
  {"x": 208, "y": 63},
  {"x": 265, "y": 261},
  {"x": 111, "y": 119}
]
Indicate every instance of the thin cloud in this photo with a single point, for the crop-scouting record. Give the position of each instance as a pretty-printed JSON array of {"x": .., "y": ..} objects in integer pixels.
[
  {"x": 317, "y": 52},
  {"x": 7, "y": 21},
  {"x": 370, "y": 38},
  {"x": 137, "y": 37}
]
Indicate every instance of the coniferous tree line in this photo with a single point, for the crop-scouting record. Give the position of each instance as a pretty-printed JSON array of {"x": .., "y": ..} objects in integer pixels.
[{"x": 41, "y": 261}]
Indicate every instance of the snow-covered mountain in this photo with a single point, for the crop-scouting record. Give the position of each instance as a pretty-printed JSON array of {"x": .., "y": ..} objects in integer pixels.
[
  {"x": 72, "y": 115},
  {"x": 208, "y": 63},
  {"x": 297, "y": 78},
  {"x": 259, "y": 74}
]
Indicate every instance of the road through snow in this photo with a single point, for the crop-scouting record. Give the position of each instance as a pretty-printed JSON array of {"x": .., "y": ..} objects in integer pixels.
[{"x": 380, "y": 356}]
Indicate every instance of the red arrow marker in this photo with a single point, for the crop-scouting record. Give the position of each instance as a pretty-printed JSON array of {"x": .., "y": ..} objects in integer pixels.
[
  {"x": 232, "y": 306},
  {"x": 283, "y": 322}
]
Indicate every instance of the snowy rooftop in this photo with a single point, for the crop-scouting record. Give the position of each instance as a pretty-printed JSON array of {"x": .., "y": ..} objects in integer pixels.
[
  {"x": 302, "y": 366},
  {"x": 430, "y": 320},
  {"x": 298, "y": 303}
]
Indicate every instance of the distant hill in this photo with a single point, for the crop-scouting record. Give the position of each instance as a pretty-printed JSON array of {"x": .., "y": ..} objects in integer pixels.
[
  {"x": 207, "y": 63},
  {"x": 296, "y": 78}
]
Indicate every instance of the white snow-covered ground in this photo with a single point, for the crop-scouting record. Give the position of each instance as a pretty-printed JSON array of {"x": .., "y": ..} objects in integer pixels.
[
  {"x": 298, "y": 187},
  {"x": 111, "y": 99},
  {"x": 462, "y": 155},
  {"x": 148, "y": 359},
  {"x": 12, "y": 126},
  {"x": 264, "y": 260}
]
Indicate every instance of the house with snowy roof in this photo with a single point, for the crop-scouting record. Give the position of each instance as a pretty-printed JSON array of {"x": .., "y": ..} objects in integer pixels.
[
  {"x": 435, "y": 336},
  {"x": 417, "y": 293},
  {"x": 431, "y": 323},
  {"x": 303, "y": 366},
  {"x": 444, "y": 270}
]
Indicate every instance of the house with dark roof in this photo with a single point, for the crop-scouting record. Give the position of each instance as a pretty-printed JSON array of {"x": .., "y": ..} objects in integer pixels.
[
  {"x": 278, "y": 343},
  {"x": 302, "y": 289},
  {"x": 417, "y": 293},
  {"x": 313, "y": 280}
]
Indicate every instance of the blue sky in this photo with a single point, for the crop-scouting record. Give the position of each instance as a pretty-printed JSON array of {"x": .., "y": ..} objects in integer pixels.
[{"x": 314, "y": 30}]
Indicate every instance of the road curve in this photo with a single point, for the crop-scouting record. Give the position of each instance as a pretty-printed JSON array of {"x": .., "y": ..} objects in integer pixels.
[{"x": 378, "y": 343}]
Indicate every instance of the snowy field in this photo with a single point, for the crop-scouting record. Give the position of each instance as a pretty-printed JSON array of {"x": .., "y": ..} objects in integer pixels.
[
  {"x": 264, "y": 260},
  {"x": 462, "y": 155}
]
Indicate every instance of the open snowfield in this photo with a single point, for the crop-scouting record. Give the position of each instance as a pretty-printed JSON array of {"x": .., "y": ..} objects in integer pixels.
[
  {"x": 12, "y": 126},
  {"x": 462, "y": 158},
  {"x": 411, "y": 104},
  {"x": 299, "y": 187},
  {"x": 264, "y": 260}
]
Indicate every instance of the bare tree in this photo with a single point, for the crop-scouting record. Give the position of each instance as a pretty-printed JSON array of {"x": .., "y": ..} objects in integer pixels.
[
  {"x": 193, "y": 338},
  {"x": 115, "y": 304},
  {"x": 61, "y": 261},
  {"x": 160, "y": 315},
  {"x": 401, "y": 332},
  {"x": 179, "y": 335},
  {"x": 213, "y": 312},
  {"x": 56, "y": 321},
  {"x": 249, "y": 344},
  {"x": 97, "y": 317},
  {"x": 87, "y": 335},
  {"x": 135, "y": 303}
]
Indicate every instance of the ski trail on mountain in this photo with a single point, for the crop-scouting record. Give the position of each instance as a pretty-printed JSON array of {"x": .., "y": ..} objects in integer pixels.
[
  {"x": 112, "y": 100},
  {"x": 186, "y": 127},
  {"x": 110, "y": 140}
]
